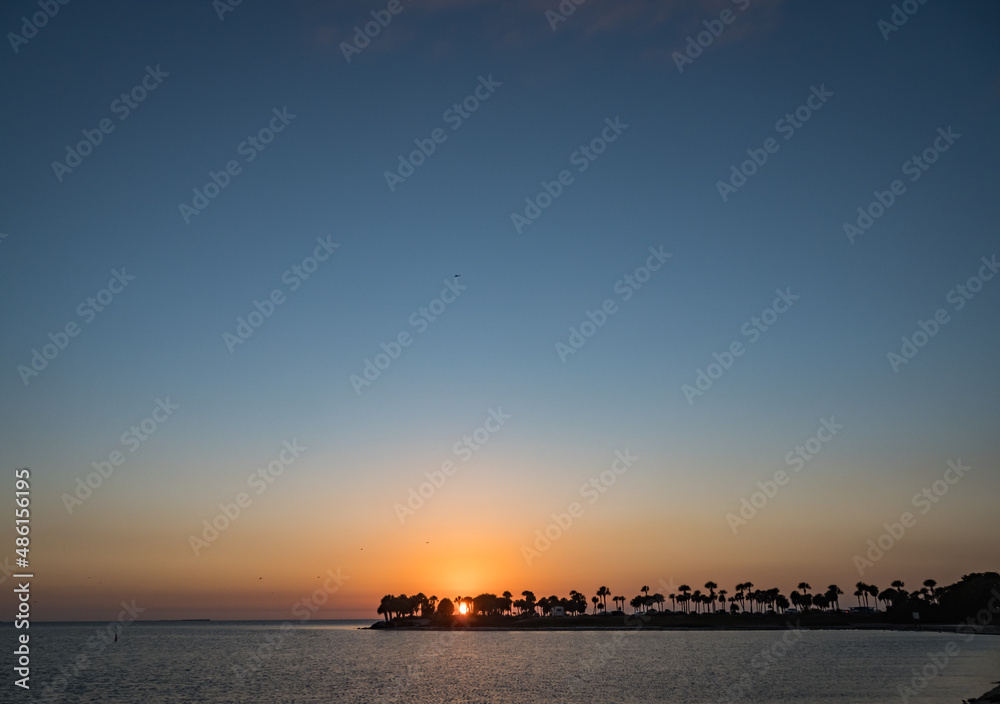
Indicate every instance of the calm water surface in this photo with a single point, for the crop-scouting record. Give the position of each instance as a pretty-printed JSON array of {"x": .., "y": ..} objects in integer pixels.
[{"x": 334, "y": 662}]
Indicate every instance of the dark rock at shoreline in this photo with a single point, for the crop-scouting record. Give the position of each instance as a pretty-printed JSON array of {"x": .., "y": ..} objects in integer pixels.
[{"x": 991, "y": 697}]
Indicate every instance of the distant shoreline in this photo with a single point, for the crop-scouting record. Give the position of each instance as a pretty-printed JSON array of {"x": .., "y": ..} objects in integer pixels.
[
  {"x": 671, "y": 622},
  {"x": 992, "y": 630}
]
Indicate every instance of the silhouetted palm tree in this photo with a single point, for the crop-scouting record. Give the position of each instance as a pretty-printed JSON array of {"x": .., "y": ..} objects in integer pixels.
[
  {"x": 529, "y": 598},
  {"x": 931, "y": 589},
  {"x": 596, "y": 601},
  {"x": 711, "y": 587},
  {"x": 419, "y": 601},
  {"x": 898, "y": 586},
  {"x": 873, "y": 590},
  {"x": 888, "y": 596},
  {"x": 604, "y": 593},
  {"x": 684, "y": 590},
  {"x": 862, "y": 591},
  {"x": 833, "y": 593},
  {"x": 771, "y": 596},
  {"x": 383, "y": 607}
]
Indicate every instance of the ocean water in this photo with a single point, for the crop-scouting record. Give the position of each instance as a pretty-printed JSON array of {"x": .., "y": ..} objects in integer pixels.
[{"x": 336, "y": 662}]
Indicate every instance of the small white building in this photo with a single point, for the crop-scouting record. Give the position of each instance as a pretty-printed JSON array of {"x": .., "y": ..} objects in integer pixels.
[{"x": 558, "y": 611}]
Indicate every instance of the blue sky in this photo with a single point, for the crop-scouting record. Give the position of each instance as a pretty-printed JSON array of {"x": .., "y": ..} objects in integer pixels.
[{"x": 655, "y": 186}]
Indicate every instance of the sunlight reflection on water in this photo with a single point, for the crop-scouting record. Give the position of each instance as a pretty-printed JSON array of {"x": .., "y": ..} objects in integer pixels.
[{"x": 336, "y": 663}]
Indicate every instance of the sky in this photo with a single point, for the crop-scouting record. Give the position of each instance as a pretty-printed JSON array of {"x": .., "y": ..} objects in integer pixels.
[{"x": 460, "y": 297}]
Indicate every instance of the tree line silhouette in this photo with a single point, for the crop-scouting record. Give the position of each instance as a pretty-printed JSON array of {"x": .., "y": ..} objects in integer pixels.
[{"x": 744, "y": 598}]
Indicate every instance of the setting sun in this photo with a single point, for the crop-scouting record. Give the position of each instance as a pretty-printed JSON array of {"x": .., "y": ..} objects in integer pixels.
[{"x": 463, "y": 608}]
